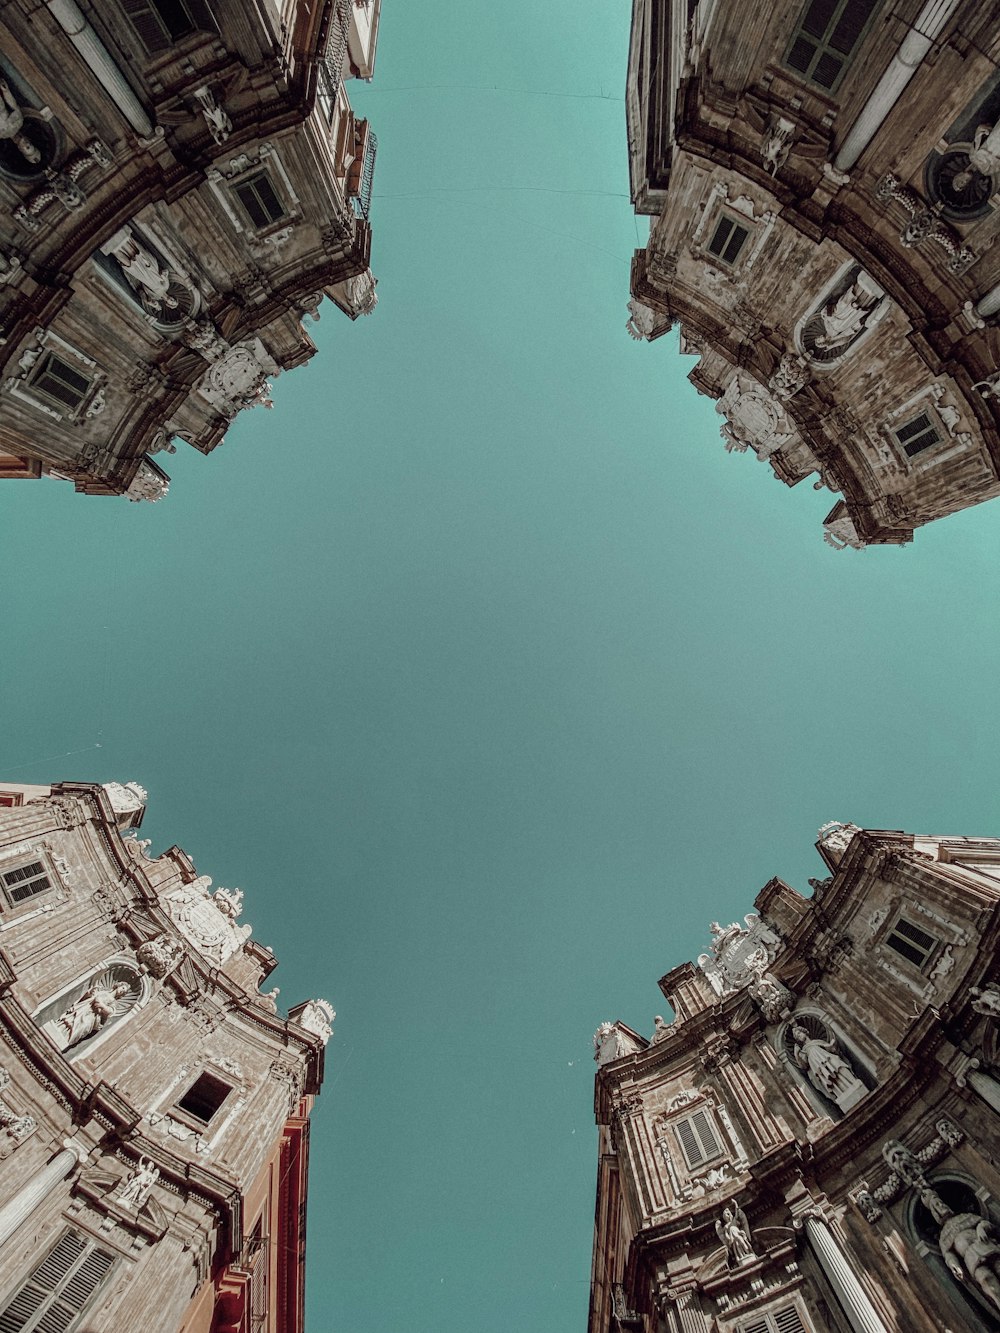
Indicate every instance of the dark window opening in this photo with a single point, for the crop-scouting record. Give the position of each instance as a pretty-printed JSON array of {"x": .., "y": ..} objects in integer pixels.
[
  {"x": 204, "y": 1097},
  {"x": 911, "y": 942},
  {"x": 728, "y": 240},
  {"x": 260, "y": 200},
  {"x": 160, "y": 24},
  {"x": 60, "y": 382},
  {"x": 917, "y": 435}
]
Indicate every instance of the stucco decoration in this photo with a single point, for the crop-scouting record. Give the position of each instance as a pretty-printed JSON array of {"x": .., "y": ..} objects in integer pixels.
[
  {"x": 361, "y": 294},
  {"x": 813, "y": 1048},
  {"x": 734, "y": 1233},
  {"x": 126, "y": 798},
  {"x": 753, "y": 420},
  {"x": 148, "y": 484},
  {"x": 836, "y": 838},
  {"x": 841, "y": 534},
  {"x": 776, "y": 143},
  {"x": 16, "y": 1127},
  {"x": 774, "y": 1000},
  {"x": 851, "y": 307},
  {"x": 790, "y": 375},
  {"x": 135, "y": 1189},
  {"x": 986, "y": 999},
  {"x": 209, "y": 920},
  {"x": 611, "y": 1043},
  {"x": 641, "y": 320},
  {"x": 159, "y": 956},
  {"x": 238, "y": 378},
  {"x": 317, "y": 1017},
  {"x": 738, "y": 955}
]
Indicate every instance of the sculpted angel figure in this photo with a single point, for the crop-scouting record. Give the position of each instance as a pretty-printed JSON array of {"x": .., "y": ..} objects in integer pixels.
[
  {"x": 12, "y": 124},
  {"x": 734, "y": 1233},
  {"x": 90, "y": 1012},
  {"x": 825, "y": 1067},
  {"x": 136, "y": 1189}
]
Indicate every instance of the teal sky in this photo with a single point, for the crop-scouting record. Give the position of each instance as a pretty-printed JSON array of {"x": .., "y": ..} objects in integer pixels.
[{"x": 488, "y": 675}]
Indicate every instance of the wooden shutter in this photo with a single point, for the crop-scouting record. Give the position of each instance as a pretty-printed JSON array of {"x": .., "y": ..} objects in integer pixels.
[
  {"x": 698, "y": 1139},
  {"x": 59, "y": 1289},
  {"x": 788, "y": 1320},
  {"x": 826, "y": 35},
  {"x": 146, "y": 21},
  {"x": 703, "y": 1127},
  {"x": 918, "y": 434}
]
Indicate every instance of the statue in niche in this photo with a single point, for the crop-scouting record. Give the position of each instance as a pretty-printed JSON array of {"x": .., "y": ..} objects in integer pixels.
[
  {"x": 847, "y": 310},
  {"x": 734, "y": 1233},
  {"x": 986, "y": 999},
  {"x": 969, "y": 1244},
  {"x": 825, "y": 1067},
  {"x": 98, "y": 1004},
  {"x": 142, "y": 270},
  {"x": 12, "y": 125}
]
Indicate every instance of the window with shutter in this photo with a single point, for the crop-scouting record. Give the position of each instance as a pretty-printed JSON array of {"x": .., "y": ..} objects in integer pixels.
[
  {"x": 25, "y": 882},
  {"x": 728, "y": 239},
  {"x": 56, "y": 380},
  {"x": 785, "y": 1319},
  {"x": 698, "y": 1138},
  {"x": 60, "y": 1288},
  {"x": 260, "y": 199},
  {"x": 160, "y": 24},
  {"x": 826, "y": 36},
  {"x": 910, "y": 942},
  {"x": 918, "y": 434}
]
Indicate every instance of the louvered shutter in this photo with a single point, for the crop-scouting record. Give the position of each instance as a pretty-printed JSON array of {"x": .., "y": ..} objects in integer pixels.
[
  {"x": 709, "y": 1140},
  {"x": 825, "y": 37},
  {"x": 788, "y": 1320},
  {"x": 59, "y": 1288},
  {"x": 690, "y": 1145},
  {"x": 761, "y": 1325},
  {"x": 146, "y": 21}
]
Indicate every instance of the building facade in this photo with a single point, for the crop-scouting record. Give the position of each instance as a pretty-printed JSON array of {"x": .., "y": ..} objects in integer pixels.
[
  {"x": 811, "y": 1144},
  {"x": 154, "y": 1106},
  {"x": 181, "y": 184},
  {"x": 821, "y": 178}
]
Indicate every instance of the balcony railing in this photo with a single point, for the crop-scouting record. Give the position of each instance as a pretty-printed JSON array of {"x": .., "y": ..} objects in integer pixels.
[
  {"x": 335, "y": 56},
  {"x": 361, "y": 198}
]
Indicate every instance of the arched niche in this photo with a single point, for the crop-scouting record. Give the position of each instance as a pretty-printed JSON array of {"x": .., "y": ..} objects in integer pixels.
[
  {"x": 843, "y": 317},
  {"x": 963, "y": 1195},
  {"x": 825, "y": 1064},
  {"x": 83, "y": 1014}
]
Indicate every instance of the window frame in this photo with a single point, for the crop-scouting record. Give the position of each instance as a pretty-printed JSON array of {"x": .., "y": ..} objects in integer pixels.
[
  {"x": 190, "y": 1118},
  {"x": 737, "y": 222},
  {"x": 43, "y": 366},
  {"x": 934, "y": 423},
  {"x": 933, "y": 949},
  {"x": 249, "y": 178},
  {"x": 823, "y": 47},
  {"x": 10, "y": 904},
  {"x": 689, "y": 1119}
]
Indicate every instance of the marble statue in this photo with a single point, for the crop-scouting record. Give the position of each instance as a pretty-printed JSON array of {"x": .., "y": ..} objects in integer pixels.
[
  {"x": 824, "y": 1066},
  {"x": 136, "y": 1189},
  {"x": 845, "y": 316},
  {"x": 661, "y": 1029},
  {"x": 734, "y": 1233},
  {"x": 969, "y": 1244},
  {"x": 12, "y": 125},
  {"x": 87, "y": 1015},
  {"x": 986, "y": 999},
  {"x": 144, "y": 273}
]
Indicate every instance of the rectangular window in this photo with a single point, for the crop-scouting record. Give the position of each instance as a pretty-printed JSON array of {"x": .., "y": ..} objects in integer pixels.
[
  {"x": 159, "y": 24},
  {"x": 825, "y": 38},
  {"x": 25, "y": 882},
  {"x": 698, "y": 1139},
  {"x": 917, "y": 435},
  {"x": 785, "y": 1319},
  {"x": 203, "y": 1098},
  {"x": 56, "y": 380},
  {"x": 59, "y": 1289},
  {"x": 728, "y": 239},
  {"x": 914, "y": 944},
  {"x": 260, "y": 199}
]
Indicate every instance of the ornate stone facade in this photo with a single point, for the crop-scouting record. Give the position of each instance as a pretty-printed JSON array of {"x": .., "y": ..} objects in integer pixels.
[
  {"x": 810, "y": 1146},
  {"x": 823, "y": 224},
  {"x": 153, "y": 1104},
  {"x": 179, "y": 184}
]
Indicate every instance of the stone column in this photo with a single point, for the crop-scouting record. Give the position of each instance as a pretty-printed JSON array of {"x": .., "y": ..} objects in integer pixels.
[
  {"x": 861, "y": 1314},
  {"x": 986, "y": 1086},
  {"x": 20, "y": 1207}
]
